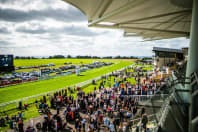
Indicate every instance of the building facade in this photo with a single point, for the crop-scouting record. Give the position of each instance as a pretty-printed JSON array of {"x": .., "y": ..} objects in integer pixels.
[{"x": 166, "y": 56}]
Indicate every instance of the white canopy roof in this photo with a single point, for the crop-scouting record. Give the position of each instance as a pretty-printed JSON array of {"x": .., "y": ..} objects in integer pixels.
[{"x": 151, "y": 19}]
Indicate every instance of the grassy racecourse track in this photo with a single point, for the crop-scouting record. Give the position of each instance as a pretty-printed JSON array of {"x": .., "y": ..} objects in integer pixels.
[
  {"x": 28, "y": 89},
  {"x": 32, "y": 111}
]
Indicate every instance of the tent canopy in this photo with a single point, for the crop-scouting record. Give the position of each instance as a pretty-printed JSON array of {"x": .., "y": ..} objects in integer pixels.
[{"x": 150, "y": 19}]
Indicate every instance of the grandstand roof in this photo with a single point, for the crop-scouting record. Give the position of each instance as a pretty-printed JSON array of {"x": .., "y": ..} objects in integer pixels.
[
  {"x": 150, "y": 19},
  {"x": 167, "y": 50}
]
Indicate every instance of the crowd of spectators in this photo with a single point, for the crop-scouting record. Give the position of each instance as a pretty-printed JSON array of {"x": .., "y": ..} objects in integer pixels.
[{"x": 107, "y": 108}]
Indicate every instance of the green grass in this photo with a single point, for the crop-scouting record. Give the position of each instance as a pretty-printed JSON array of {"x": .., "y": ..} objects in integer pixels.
[
  {"x": 146, "y": 67},
  {"x": 33, "y": 111},
  {"x": 33, "y": 88},
  {"x": 90, "y": 88}
]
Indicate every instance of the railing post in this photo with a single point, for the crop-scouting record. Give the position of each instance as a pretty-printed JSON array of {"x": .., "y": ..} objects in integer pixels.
[
  {"x": 16, "y": 104},
  {"x": 3, "y": 107}
]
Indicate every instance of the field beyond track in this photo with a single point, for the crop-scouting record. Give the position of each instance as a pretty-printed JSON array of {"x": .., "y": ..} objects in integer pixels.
[{"x": 33, "y": 88}]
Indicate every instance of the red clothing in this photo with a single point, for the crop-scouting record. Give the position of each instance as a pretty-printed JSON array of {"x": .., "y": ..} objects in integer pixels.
[
  {"x": 143, "y": 87},
  {"x": 101, "y": 117}
]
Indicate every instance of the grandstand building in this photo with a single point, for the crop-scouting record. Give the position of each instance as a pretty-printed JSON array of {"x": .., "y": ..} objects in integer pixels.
[{"x": 167, "y": 56}]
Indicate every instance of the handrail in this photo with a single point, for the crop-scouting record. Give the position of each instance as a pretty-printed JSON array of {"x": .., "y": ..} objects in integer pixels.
[
  {"x": 140, "y": 122},
  {"x": 163, "y": 112}
]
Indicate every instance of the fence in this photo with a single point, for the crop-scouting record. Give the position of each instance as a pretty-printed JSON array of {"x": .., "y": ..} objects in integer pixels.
[
  {"x": 140, "y": 98},
  {"x": 26, "y": 100}
]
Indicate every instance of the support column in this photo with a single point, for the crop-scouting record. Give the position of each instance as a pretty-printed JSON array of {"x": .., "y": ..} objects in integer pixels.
[{"x": 192, "y": 65}]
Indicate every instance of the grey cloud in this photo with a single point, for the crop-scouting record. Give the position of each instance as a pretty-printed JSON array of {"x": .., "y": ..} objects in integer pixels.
[
  {"x": 3, "y": 42},
  {"x": 6, "y": 1},
  {"x": 71, "y": 30},
  {"x": 66, "y": 15},
  {"x": 4, "y": 30},
  {"x": 79, "y": 31},
  {"x": 31, "y": 31},
  {"x": 25, "y": 2},
  {"x": 9, "y": 44}
]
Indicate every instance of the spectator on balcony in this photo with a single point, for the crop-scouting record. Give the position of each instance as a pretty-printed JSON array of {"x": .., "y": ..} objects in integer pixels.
[{"x": 144, "y": 121}]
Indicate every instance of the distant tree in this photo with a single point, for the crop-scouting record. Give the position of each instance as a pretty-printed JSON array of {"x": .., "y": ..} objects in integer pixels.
[
  {"x": 17, "y": 57},
  {"x": 32, "y": 57},
  {"x": 146, "y": 58},
  {"x": 124, "y": 57},
  {"x": 69, "y": 56},
  {"x": 58, "y": 56},
  {"x": 83, "y": 57},
  {"x": 133, "y": 57},
  {"x": 107, "y": 57},
  {"x": 117, "y": 57},
  {"x": 95, "y": 57}
]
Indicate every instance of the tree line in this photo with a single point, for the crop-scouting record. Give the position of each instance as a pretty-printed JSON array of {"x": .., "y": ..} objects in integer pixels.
[{"x": 77, "y": 57}]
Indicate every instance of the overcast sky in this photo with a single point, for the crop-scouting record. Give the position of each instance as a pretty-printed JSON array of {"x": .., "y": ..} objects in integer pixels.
[{"x": 51, "y": 27}]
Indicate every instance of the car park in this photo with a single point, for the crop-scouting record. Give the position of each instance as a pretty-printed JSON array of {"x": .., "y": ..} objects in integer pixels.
[{"x": 20, "y": 77}]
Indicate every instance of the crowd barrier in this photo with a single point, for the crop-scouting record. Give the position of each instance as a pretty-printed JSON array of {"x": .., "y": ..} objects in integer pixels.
[
  {"x": 14, "y": 104},
  {"x": 145, "y": 97}
]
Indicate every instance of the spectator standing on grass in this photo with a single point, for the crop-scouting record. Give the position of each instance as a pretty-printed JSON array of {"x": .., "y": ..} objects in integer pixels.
[
  {"x": 36, "y": 103},
  {"x": 44, "y": 125},
  {"x": 148, "y": 130},
  {"x": 10, "y": 124},
  {"x": 111, "y": 126},
  {"x": 106, "y": 102},
  {"x": 120, "y": 127},
  {"x": 38, "y": 126},
  {"x": 2, "y": 122},
  {"x": 83, "y": 124},
  {"x": 106, "y": 121},
  {"x": 30, "y": 129},
  {"x": 77, "y": 124},
  {"x": 20, "y": 125}
]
